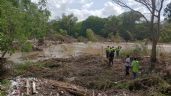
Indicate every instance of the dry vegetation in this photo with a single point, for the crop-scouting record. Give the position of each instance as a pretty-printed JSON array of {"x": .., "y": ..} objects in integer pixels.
[{"x": 92, "y": 73}]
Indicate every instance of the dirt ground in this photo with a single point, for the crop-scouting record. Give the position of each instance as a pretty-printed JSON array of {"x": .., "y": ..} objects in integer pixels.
[
  {"x": 93, "y": 74},
  {"x": 92, "y": 69}
]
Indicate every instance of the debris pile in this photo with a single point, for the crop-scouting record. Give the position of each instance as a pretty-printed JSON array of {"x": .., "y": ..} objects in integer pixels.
[{"x": 43, "y": 87}]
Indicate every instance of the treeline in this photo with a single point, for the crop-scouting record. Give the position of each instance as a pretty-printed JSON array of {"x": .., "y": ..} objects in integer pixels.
[{"x": 128, "y": 26}]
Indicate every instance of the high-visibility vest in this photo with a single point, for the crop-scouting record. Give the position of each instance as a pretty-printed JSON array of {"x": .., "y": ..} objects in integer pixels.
[{"x": 135, "y": 66}]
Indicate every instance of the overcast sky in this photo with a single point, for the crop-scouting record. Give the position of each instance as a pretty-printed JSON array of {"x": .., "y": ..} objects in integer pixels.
[{"x": 84, "y": 8}]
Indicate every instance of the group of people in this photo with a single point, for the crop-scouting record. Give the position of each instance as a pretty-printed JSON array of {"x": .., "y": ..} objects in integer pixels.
[
  {"x": 130, "y": 63},
  {"x": 112, "y": 52}
]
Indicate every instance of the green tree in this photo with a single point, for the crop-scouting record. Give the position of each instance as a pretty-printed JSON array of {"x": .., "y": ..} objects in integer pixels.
[
  {"x": 77, "y": 30},
  {"x": 167, "y": 11},
  {"x": 129, "y": 20},
  {"x": 67, "y": 22},
  {"x": 112, "y": 25},
  {"x": 166, "y": 33},
  {"x": 19, "y": 21},
  {"x": 141, "y": 31},
  {"x": 95, "y": 23}
]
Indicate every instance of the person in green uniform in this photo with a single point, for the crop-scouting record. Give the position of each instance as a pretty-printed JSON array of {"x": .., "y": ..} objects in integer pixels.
[
  {"x": 135, "y": 67},
  {"x": 118, "y": 51},
  {"x": 111, "y": 56},
  {"x": 107, "y": 52}
]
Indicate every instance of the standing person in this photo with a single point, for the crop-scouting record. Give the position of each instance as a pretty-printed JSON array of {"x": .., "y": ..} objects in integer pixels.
[
  {"x": 135, "y": 67},
  {"x": 111, "y": 56},
  {"x": 107, "y": 52},
  {"x": 127, "y": 65},
  {"x": 118, "y": 51}
]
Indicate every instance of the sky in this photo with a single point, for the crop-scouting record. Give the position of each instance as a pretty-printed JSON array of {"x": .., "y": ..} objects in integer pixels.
[{"x": 85, "y": 8}]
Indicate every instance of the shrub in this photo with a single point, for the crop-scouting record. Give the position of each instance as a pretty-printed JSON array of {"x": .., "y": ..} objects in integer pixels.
[{"x": 90, "y": 35}]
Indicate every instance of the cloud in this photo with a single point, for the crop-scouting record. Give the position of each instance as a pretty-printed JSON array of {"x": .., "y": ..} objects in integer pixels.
[
  {"x": 58, "y": 7},
  {"x": 84, "y": 1},
  {"x": 88, "y": 5},
  {"x": 108, "y": 9},
  {"x": 112, "y": 9},
  {"x": 84, "y": 8},
  {"x": 84, "y": 13}
]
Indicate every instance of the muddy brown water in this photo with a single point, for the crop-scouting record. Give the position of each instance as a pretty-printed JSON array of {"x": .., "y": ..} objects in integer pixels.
[{"x": 76, "y": 49}]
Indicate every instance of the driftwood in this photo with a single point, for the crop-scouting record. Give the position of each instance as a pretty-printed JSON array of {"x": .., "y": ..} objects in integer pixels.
[
  {"x": 34, "y": 87},
  {"x": 27, "y": 87},
  {"x": 76, "y": 90}
]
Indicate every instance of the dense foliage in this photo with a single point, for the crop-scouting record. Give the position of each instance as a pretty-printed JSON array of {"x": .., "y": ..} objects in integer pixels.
[
  {"x": 127, "y": 25},
  {"x": 21, "y": 20},
  {"x": 168, "y": 12}
]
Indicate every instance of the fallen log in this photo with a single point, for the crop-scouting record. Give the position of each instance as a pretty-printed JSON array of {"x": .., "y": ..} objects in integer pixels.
[{"x": 75, "y": 90}]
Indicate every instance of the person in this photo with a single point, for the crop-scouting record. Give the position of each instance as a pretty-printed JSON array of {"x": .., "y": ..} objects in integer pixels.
[
  {"x": 107, "y": 52},
  {"x": 118, "y": 51},
  {"x": 111, "y": 56},
  {"x": 135, "y": 67},
  {"x": 127, "y": 65}
]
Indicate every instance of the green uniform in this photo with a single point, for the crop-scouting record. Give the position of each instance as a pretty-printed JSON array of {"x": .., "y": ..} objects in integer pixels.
[
  {"x": 135, "y": 66},
  {"x": 107, "y": 52},
  {"x": 113, "y": 49}
]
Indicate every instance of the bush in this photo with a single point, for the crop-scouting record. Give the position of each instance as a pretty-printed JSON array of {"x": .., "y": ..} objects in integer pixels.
[
  {"x": 27, "y": 47},
  {"x": 90, "y": 35},
  {"x": 5, "y": 84},
  {"x": 62, "y": 32}
]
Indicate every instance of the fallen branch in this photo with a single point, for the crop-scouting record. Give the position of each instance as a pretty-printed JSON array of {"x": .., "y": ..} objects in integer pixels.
[
  {"x": 76, "y": 90},
  {"x": 34, "y": 87}
]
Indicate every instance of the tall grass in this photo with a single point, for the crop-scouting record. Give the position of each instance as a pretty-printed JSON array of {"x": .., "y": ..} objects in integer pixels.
[{"x": 139, "y": 49}]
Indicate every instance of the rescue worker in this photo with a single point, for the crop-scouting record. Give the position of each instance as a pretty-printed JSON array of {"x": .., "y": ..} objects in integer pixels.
[
  {"x": 135, "y": 67},
  {"x": 107, "y": 52},
  {"x": 118, "y": 51},
  {"x": 127, "y": 65},
  {"x": 111, "y": 56}
]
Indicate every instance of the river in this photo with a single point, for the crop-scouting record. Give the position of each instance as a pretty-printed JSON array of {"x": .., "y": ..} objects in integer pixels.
[{"x": 76, "y": 49}]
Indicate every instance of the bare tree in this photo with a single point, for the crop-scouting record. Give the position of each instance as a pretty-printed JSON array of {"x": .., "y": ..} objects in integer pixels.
[{"x": 154, "y": 7}]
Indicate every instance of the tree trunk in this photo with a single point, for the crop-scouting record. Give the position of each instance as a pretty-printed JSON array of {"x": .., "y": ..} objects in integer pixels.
[
  {"x": 3, "y": 54},
  {"x": 153, "y": 35},
  {"x": 2, "y": 68},
  {"x": 153, "y": 51},
  {"x": 2, "y": 62}
]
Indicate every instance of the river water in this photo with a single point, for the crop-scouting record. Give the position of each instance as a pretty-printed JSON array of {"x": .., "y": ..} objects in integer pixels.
[{"x": 76, "y": 49}]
